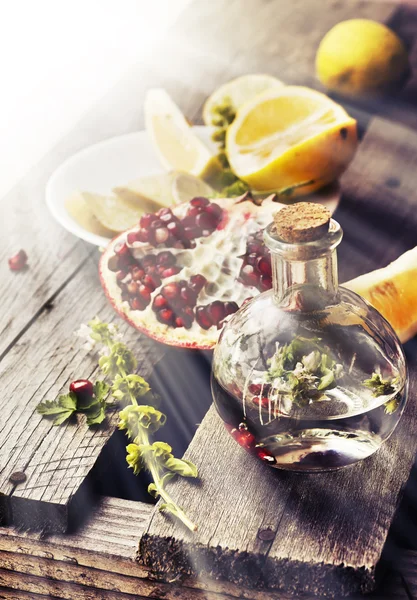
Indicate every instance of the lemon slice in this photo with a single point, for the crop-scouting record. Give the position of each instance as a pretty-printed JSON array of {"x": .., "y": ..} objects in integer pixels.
[
  {"x": 291, "y": 139},
  {"x": 113, "y": 212},
  {"x": 176, "y": 144},
  {"x": 186, "y": 186},
  {"x": 237, "y": 92}
]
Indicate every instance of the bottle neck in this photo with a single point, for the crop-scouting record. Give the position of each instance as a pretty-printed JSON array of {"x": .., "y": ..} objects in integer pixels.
[
  {"x": 309, "y": 282},
  {"x": 304, "y": 275}
]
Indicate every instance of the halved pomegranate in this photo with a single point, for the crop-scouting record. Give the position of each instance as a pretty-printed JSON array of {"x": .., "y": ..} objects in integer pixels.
[{"x": 181, "y": 273}]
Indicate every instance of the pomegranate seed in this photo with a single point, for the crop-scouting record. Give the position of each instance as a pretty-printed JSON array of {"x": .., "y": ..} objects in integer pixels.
[
  {"x": 188, "y": 295},
  {"x": 120, "y": 275},
  {"x": 202, "y": 317},
  {"x": 145, "y": 291},
  {"x": 159, "y": 302},
  {"x": 248, "y": 275},
  {"x": 132, "y": 288},
  {"x": 152, "y": 281},
  {"x": 156, "y": 224},
  {"x": 165, "y": 316},
  {"x": 142, "y": 236},
  {"x": 122, "y": 250},
  {"x": 165, "y": 214},
  {"x": 186, "y": 318},
  {"x": 18, "y": 261},
  {"x": 170, "y": 271},
  {"x": 161, "y": 235},
  {"x": 160, "y": 269},
  {"x": 264, "y": 402},
  {"x": 191, "y": 214},
  {"x": 170, "y": 291},
  {"x": 180, "y": 245},
  {"x": 244, "y": 438},
  {"x": 147, "y": 220},
  {"x": 251, "y": 259},
  {"x": 166, "y": 259},
  {"x": 264, "y": 266},
  {"x": 136, "y": 303},
  {"x": 216, "y": 311},
  {"x": 113, "y": 263},
  {"x": 151, "y": 270},
  {"x": 149, "y": 260},
  {"x": 206, "y": 221},
  {"x": 199, "y": 201},
  {"x": 197, "y": 282},
  {"x": 175, "y": 229},
  {"x": 246, "y": 300},
  {"x": 255, "y": 388},
  {"x": 191, "y": 232},
  {"x": 230, "y": 308},
  {"x": 137, "y": 273},
  {"x": 265, "y": 283},
  {"x": 266, "y": 455},
  {"x": 83, "y": 389},
  {"x": 254, "y": 247},
  {"x": 215, "y": 210},
  {"x": 133, "y": 236}
]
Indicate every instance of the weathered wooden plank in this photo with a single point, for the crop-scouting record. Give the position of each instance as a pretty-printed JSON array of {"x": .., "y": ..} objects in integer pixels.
[
  {"x": 56, "y": 461},
  {"x": 85, "y": 563},
  {"x": 328, "y": 530}
]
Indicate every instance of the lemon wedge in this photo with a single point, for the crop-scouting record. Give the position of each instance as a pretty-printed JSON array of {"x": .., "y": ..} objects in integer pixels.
[
  {"x": 176, "y": 144},
  {"x": 291, "y": 139},
  {"x": 237, "y": 92}
]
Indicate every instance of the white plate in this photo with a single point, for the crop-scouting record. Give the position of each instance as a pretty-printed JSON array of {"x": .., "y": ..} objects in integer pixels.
[{"x": 115, "y": 162}]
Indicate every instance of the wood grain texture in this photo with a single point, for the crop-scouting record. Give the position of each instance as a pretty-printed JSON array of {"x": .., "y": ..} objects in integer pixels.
[
  {"x": 98, "y": 562},
  {"x": 56, "y": 461},
  {"x": 329, "y": 529}
]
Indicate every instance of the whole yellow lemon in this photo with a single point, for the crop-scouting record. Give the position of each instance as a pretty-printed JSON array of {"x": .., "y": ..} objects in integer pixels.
[{"x": 360, "y": 56}]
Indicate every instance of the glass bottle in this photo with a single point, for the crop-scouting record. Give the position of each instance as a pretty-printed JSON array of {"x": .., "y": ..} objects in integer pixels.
[{"x": 308, "y": 376}]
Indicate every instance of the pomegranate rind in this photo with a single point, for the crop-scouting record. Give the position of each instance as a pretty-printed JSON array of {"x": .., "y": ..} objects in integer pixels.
[{"x": 239, "y": 215}]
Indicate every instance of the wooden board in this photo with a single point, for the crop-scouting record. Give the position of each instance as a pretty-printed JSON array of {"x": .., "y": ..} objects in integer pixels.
[
  {"x": 98, "y": 562},
  {"x": 328, "y": 530},
  {"x": 56, "y": 461}
]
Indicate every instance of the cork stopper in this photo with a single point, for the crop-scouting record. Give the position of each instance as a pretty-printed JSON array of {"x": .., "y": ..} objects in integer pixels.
[{"x": 302, "y": 222}]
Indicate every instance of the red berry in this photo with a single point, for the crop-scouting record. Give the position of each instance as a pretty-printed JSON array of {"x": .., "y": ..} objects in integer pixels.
[{"x": 83, "y": 389}]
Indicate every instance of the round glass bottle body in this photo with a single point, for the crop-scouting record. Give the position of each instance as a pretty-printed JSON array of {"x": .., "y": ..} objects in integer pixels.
[{"x": 308, "y": 376}]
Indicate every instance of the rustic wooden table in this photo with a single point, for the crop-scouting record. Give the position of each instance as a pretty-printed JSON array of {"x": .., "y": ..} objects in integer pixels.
[{"x": 62, "y": 536}]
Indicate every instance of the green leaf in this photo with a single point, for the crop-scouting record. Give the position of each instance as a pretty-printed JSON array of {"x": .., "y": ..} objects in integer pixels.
[
  {"x": 326, "y": 381},
  {"x": 134, "y": 458},
  {"x": 153, "y": 490},
  {"x": 96, "y": 417},
  {"x": 58, "y": 410},
  {"x": 182, "y": 467},
  {"x": 392, "y": 405},
  {"x": 167, "y": 477}
]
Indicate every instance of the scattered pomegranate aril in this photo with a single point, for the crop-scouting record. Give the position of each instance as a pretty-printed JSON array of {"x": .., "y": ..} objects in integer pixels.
[
  {"x": 266, "y": 455},
  {"x": 264, "y": 402},
  {"x": 199, "y": 201},
  {"x": 244, "y": 438},
  {"x": 18, "y": 261},
  {"x": 82, "y": 388},
  {"x": 170, "y": 271},
  {"x": 197, "y": 282},
  {"x": 202, "y": 317}
]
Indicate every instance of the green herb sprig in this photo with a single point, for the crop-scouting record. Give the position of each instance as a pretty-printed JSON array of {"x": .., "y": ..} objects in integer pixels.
[
  {"x": 303, "y": 370},
  {"x": 384, "y": 387},
  {"x": 139, "y": 421}
]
